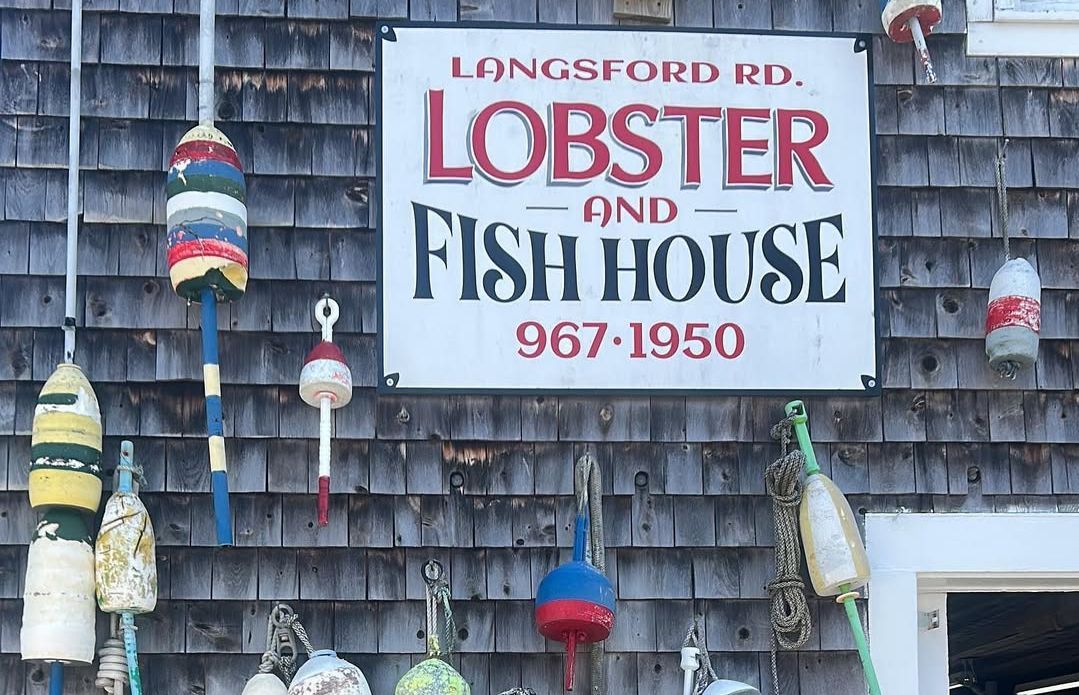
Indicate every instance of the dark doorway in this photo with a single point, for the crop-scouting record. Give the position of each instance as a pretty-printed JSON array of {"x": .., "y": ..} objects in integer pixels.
[{"x": 999, "y": 641}]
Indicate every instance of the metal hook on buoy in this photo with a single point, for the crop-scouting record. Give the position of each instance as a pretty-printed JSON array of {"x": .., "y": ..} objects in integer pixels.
[{"x": 327, "y": 312}]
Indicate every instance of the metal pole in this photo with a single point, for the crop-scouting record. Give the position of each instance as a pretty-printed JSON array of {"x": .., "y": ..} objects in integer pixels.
[
  {"x": 207, "y": 17},
  {"x": 73, "y": 125},
  {"x": 56, "y": 678}
]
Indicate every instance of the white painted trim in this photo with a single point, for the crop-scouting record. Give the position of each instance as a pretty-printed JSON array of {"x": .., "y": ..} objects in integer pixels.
[
  {"x": 1024, "y": 39},
  {"x": 979, "y": 10},
  {"x": 917, "y": 558}
]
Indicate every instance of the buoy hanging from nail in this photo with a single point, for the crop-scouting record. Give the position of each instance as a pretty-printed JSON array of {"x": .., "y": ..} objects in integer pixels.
[
  {"x": 433, "y": 676},
  {"x": 207, "y": 258},
  {"x": 834, "y": 552},
  {"x": 326, "y": 384},
  {"x": 65, "y": 446},
  {"x": 126, "y": 560},
  {"x": 1013, "y": 319},
  {"x": 575, "y": 603},
  {"x": 59, "y": 610},
  {"x": 324, "y": 672},
  {"x": 912, "y": 20}
]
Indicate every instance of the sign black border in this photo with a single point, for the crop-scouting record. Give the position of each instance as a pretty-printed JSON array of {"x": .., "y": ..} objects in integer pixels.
[{"x": 863, "y": 43}]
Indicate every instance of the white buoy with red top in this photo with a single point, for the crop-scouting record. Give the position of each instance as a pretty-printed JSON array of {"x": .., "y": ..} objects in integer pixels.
[
  {"x": 325, "y": 383},
  {"x": 1014, "y": 316},
  {"x": 912, "y": 20}
]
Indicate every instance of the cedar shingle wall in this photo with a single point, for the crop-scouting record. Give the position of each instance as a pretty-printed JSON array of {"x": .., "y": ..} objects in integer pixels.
[{"x": 687, "y": 520}]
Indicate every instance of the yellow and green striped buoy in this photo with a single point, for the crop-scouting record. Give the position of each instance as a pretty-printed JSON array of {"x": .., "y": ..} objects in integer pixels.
[{"x": 65, "y": 449}]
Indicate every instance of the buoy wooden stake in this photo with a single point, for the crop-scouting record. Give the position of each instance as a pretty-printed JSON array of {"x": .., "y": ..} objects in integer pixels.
[
  {"x": 836, "y": 557},
  {"x": 325, "y": 383}
]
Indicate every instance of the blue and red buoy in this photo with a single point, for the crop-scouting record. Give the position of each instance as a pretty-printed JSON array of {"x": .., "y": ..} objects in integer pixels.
[{"x": 575, "y": 602}]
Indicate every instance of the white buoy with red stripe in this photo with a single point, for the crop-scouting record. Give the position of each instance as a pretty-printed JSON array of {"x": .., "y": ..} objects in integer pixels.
[
  {"x": 912, "y": 20},
  {"x": 325, "y": 383},
  {"x": 1014, "y": 318}
]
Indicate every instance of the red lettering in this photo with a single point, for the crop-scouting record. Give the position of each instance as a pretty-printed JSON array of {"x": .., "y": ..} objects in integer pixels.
[
  {"x": 611, "y": 68},
  {"x": 537, "y": 141},
  {"x": 564, "y": 141},
  {"x": 691, "y": 117},
  {"x": 673, "y": 71},
  {"x": 436, "y": 155},
  {"x": 652, "y": 153},
  {"x": 455, "y": 69},
  {"x": 586, "y": 69},
  {"x": 744, "y": 73},
  {"x": 789, "y": 151},
  {"x": 737, "y": 145}
]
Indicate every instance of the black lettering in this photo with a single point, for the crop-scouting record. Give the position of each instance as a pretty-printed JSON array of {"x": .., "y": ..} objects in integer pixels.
[
  {"x": 816, "y": 263},
  {"x": 540, "y": 267},
  {"x": 783, "y": 263},
  {"x": 506, "y": 264},
  {"x": 611, "y": 269},
  {"x": 423, "y": 247},
  {"x": 720, "y": 244},
  {"x": 696, "y": 267}
]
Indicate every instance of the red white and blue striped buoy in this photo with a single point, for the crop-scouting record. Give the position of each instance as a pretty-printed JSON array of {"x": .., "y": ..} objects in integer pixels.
[
  {"x": 575, "y": 603},
  {"x": 912, "y": 20},
  {"x": 207, "y": 258},
  {"x": 325, "y": 383},
  {"x": 1014, "y": 318}
]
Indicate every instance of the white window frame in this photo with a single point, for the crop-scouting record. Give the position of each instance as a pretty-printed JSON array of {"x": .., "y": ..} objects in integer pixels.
[
  {"x": 918, "y": 559},
  {"x": 998, "y": 31}
]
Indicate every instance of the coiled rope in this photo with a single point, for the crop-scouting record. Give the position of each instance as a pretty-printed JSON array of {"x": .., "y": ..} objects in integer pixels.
[
  {"x": 588, "y": 488},
  {"x": 112, "y": 662},
  {"x": 791, "y": 620},
  {"x": 706, "y": 675}
]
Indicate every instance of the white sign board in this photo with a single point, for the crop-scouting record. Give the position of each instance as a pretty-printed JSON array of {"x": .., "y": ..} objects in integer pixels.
[{"x": 623, "y": 210}]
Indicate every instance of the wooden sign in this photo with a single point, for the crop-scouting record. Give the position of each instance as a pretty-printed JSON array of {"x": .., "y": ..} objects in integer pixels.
[{"x": 625, "y": 210}]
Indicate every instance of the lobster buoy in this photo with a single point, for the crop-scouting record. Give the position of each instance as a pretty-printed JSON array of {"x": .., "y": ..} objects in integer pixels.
[
  {"x": 324, "y": 673},
  {"x": 325, "y": 383},
  {"x": 912, "y": 20},
  {"x": 575, "y": 603},
  {"x": 65, "y": 447},
  {"x": 265, "y": 684},
  {"x": 834, "y": 551},
  {"x": 126, "y": 558},
  {"x": 206, "y": 215},
  {"x": 432, "y": 677},
  {"x": 58, "y": 620},
  {"x": 730, "y": 688},
  {"x": 1014, "y": 318}
]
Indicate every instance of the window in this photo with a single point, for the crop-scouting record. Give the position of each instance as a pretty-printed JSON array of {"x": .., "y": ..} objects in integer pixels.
[{"x": 1042, "y": 28}]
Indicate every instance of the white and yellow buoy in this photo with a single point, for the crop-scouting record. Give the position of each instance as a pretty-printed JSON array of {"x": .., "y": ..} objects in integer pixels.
[
  {"x": 65, "y": 446},
  {"x": 126, "y": 561},
  {"x": 58, "y": 619}
]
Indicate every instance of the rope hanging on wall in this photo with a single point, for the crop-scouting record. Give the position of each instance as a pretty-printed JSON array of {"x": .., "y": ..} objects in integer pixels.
[
  {"x": 434, "y": 676},
  {"x": 1013, "y": 317},
  {"x": 791, "y": 620}
]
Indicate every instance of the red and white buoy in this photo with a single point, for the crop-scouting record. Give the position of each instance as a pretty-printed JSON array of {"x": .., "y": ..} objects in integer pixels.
[
  {"x": 1014, "y": 318},
  {"x": 325, "y": 383},
  {"x": 912, "y": 20}
]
